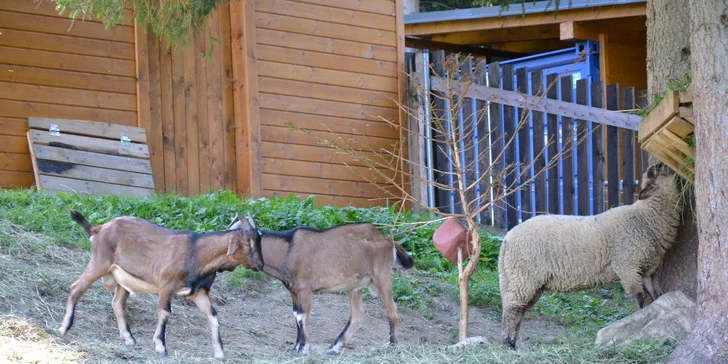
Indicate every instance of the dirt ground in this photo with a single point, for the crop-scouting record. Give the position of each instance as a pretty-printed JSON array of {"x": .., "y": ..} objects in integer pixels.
[{"x": 256, "y": 319}]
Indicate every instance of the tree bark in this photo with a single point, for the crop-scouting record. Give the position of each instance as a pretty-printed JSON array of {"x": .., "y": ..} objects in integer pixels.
[
  {"x": 708, "y": 342},
  {"x": 668, "y": 42},
  {"x": 668, "y": 58}
]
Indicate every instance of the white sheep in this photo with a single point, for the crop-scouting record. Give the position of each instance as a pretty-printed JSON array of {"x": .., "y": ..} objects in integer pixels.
[{"x": 558, "y": 253}]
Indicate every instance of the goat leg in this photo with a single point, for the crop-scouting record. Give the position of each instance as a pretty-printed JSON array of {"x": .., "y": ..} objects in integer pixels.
[
  {"x": 357, "y": 311},
  {"x": 92, "y": 273},
  {"x": 384, "y": 285},
  {"x": 202, "y": 300},
  {"x": 165, "y": 310},
  {"x": 294, "y": 300},
  {"x": 304, "y": 307},
  {"x": 119, "y": 305}
]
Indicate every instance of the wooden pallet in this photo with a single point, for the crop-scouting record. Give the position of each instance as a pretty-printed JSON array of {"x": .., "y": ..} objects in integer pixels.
[
  {"x": 662, "y": 133},
  {"x": 89, "y": 157}
]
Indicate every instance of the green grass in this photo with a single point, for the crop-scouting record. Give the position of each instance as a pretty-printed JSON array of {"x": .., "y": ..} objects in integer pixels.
[
  {"x": 572, "y": 352},
  {"x": 44, "y": 220}
]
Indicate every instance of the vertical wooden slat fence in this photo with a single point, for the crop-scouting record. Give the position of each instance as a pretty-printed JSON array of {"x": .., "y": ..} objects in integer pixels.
[{"x": 556, "y": 156}]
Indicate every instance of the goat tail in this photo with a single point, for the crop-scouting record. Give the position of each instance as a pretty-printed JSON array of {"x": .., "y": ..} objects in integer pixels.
[
  {"x": 79, "y": 219},
  {"x": 403, "y": 257}
]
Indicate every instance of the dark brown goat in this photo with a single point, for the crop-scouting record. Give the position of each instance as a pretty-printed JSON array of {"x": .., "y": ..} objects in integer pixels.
[
  {"x": 344, "y": 258},
  {"x": 134, "y": 255}
]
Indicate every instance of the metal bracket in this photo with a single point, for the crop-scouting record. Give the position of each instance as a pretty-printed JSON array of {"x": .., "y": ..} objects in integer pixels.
[
  {"x": 125, "y": 140},
  {"x": 54, "y": 130}
]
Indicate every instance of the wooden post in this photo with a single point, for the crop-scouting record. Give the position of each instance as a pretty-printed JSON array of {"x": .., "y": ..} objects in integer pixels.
[
  {"x": 524, "y": 147},
  {"x": 440, "y": 150},
  {"x": 612, "y": 150},
  {"x": 597, "y": 99},
  {"x": 552, "y": 83},
  {"x": 245, "y": 91},
  {"x": 416, "y": 140},
  {"x": 509, "y": 130},
  {"x": 539, "y": 155},
  {"x": 628, "y": 150},
  {"x": 496, "y": 148},
  {"x": 468, "y": 134},
  {"x": 582, "y": 150},
  {"x": 567, "y": 148}
]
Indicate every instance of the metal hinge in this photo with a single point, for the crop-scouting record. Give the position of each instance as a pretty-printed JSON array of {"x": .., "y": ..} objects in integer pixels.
[
  {"x": 125, "y": 140},
  {"x": 54, "y": 130}
]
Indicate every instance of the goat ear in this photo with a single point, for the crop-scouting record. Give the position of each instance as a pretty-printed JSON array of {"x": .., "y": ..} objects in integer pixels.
[
  {"x": 232, "y": 246},
  {"x": 251, "y": 221}
]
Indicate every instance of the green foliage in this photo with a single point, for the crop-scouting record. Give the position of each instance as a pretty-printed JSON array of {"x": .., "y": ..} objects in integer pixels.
[
  {"x": 587, "y": 311},
  {"x": 176, "y": 20}
]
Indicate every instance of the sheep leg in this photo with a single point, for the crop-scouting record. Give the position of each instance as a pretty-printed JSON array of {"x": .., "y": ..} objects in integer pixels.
[
  {"x": 164, "y": 311},
  {"x": 647, "y": 281},
  {"x": 119, "y": 305},
  {"x": 92, "y": 273},
  {"x": 632, "y": 283},
  {"x": 385, "y": 289},
  {"x": 304, "y": 307},
  {"x": 512, "y": 319},
  {"x": 357, "y": 311},
  {"x": 299, "y": 332},
  {"x": 511, "y": 324},
  {"x": 202, "y": 300}
]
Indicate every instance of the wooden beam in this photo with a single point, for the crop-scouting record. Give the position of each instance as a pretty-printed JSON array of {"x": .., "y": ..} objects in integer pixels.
[
  {"x": 505, "y": 35},
  {"x": 533, "y": 47},
  {"x": 589, "y": 30},
  {"x": 245, "y": 102},
  {"x": 534, "y": 103},
  {"x": 421, "y": 43},
  {"x": 592, "y": 13}
]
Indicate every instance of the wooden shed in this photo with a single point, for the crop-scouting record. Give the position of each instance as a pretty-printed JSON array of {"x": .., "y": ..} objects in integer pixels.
[
  {"x": 215, "y": 113},
  {"x": 537, "y": 27}
]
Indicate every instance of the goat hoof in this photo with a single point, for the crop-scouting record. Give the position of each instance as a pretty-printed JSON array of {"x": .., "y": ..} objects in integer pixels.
[
  {"x": 162, "y": 353},
  {"x": 332, "y": 351}
]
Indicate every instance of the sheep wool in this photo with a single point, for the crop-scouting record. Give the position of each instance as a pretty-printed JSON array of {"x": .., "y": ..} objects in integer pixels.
[{"x": 559, "y": 253}]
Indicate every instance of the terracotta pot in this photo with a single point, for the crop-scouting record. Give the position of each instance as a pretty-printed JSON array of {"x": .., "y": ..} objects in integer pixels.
[{"x": 448, "y": 237}]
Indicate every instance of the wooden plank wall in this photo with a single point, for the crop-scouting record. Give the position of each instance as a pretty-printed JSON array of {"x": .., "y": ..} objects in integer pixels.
[
  {"x": 189, "y": 117},
  {"x": 52, "y": 68},
  {"x": 324, "y": 65}
]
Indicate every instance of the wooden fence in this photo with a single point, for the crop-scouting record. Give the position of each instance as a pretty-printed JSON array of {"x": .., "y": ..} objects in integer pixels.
[{"x": 577, "y": 152}]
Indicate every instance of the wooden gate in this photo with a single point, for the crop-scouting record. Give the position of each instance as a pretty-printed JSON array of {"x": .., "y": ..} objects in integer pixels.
[{"x": 574, "y": 156}]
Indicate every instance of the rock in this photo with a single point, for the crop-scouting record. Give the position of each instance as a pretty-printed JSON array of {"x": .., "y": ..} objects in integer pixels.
[{"x": 671, "y": 316}]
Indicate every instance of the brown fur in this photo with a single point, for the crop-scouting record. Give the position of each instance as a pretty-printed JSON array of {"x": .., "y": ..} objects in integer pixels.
[
  {"x": 344, "y": 258},
  {"x": 134, "y": 255}
]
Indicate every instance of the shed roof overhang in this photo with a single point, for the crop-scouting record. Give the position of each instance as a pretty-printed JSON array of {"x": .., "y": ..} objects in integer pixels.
[{"x": 528, "y": 28}]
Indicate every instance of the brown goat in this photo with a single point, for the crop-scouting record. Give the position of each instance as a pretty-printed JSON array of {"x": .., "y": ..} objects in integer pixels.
[
  {"x": 343, "y": 258},
  {"x": 134, "y": 255}
]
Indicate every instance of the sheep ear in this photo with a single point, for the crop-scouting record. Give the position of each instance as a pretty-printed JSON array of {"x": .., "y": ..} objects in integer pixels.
[
  {"x": 251, "y": 221},
  {"x": 646, "y": 192}
]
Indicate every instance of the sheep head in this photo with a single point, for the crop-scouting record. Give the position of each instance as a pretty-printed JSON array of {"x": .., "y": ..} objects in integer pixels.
[
  {"x": 657, "y": 178},
  {"x": 246, "y": 246}
]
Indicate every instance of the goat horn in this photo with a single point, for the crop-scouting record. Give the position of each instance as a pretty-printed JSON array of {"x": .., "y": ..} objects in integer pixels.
[
  {"x": 251, "y": 221},
  {"x": 233, "y": 221}
]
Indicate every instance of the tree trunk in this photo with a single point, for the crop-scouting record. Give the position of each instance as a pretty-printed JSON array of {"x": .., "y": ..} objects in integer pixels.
[
  {"x": 709, "y": 341},
  {"x": 668, "y": 58}
]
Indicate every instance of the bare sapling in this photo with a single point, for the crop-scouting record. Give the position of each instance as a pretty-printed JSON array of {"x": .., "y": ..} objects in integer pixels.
[{"x": 476, "y": 172}]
